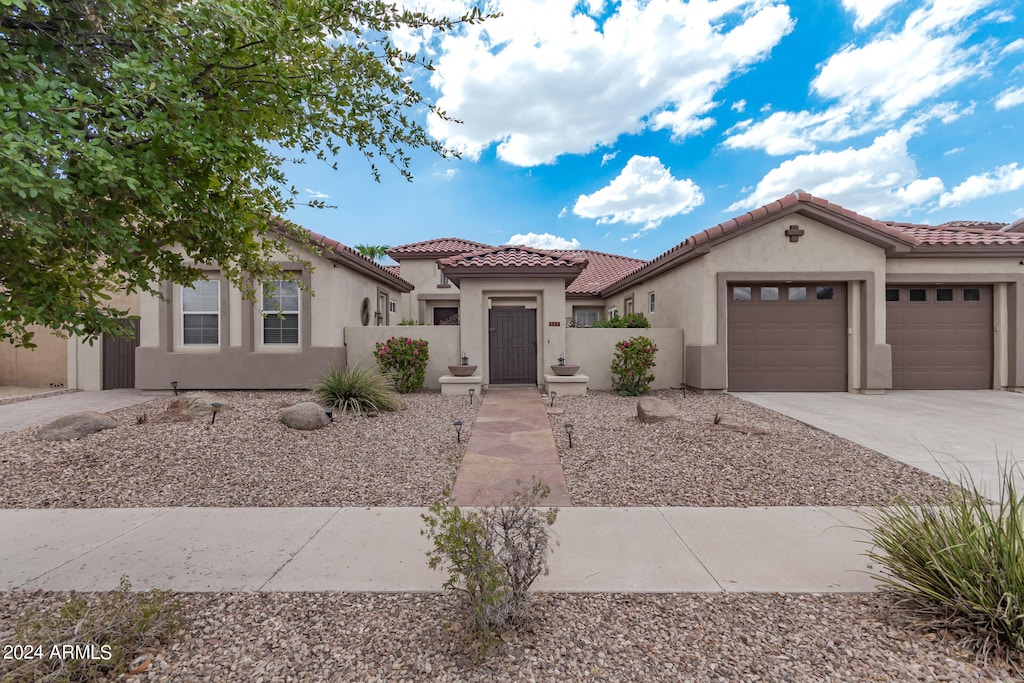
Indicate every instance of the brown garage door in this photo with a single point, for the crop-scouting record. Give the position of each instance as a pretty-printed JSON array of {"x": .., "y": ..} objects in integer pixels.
[
  {"x": 941, "y": 336},
  {"x": 787, "y": 337}
]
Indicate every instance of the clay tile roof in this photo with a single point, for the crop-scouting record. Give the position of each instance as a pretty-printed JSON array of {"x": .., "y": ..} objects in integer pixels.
[
  {"x": 512, "y": 260},
  {"x": 942, "y": 235},
  {"x": 987, "y": 225},
  {"x": 698, "y": 243},
  {"x": 436, "y": 248},
  {"x": 602, "y": 270},
  {"x": 394, "y": 270}
]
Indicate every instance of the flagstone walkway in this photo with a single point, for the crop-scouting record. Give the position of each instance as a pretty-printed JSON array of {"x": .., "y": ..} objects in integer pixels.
[{"x": 511, "y": 446}]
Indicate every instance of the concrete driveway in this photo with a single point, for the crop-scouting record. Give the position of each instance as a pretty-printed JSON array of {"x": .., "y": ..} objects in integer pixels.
[{"x": 941, "y": 432}]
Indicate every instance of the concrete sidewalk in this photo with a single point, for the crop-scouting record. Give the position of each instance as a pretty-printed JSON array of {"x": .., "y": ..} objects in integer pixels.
[
  {"x": 45, "y": 409},
  {"x": 785, "y": 549}
]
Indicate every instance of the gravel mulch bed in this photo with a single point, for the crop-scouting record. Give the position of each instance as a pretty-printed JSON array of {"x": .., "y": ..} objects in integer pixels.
[
  {"x": 601, "y": 637},
  {"x": 618, "y": 461},
  {"x": 246, "y": 458}
]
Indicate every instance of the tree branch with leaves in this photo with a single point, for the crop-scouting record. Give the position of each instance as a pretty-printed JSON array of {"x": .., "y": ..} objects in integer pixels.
[{"x": 135, "y": 138}]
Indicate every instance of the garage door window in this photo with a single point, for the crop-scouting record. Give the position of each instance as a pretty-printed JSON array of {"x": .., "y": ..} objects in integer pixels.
[
  {"x": 972, "y": 294},
  {"x": 892, "y": 295},
  {"x": 769, "y": 294},
  {"x": 918, "y": 295},
  {"x": 797, "y": 294},
  {"x": 943, "y": 294},
  {"x": 741, "y": 293},
  {"x": 825, "y": 293}
]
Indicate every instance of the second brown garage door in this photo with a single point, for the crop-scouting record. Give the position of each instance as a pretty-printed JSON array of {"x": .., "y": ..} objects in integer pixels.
[
  {"x": 787, "y": 337},
  {"x": 941, "y": 336}
]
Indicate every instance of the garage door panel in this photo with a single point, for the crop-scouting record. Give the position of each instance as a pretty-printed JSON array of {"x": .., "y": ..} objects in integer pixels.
[
  {"x": 945, "y": 344},
  {"x": 797, "y": 345}
]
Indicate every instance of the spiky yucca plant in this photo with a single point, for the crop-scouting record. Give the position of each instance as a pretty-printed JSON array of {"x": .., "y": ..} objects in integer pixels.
[
  {"x": 355, "y": 390},
  {"x": 959, "y": 563}
]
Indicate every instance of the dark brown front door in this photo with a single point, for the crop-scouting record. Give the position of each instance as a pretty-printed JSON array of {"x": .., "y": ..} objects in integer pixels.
[
  {"x": 787, "y": 337},
  {"x": 119, "y": 358},
  {"x": 513, "y": 346},
  {"x": 941, "y": 336}
]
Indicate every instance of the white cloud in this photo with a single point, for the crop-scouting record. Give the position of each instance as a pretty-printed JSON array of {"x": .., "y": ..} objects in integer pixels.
[
  {"x": 546, "y": 79},
  {"x": 867, "y": 92},
  {"x": 951, "y": 152},
  {"x": 564, "y": 212},
  {"x": 1010, "y": 98},
  {"x": 447, "y": 173},
  {"x": 645, "y": 192},
  {"x": 1015, "y": 46},
  {"x": 1004, "y": 179},
  {"x": 605, "y": 158},
  {"x": 867, "y": 11},
  {"x": 879, "y": 181},
  {"x": 739, "y": 106},
  {"x": 313, "y": 194},
  {"x": 543, "y": 241}
]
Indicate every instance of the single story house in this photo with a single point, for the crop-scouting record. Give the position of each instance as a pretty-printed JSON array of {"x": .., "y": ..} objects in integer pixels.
[{"x": 798, "y": 295}]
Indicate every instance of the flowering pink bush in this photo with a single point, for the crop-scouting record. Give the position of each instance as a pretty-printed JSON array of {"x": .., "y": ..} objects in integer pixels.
[
  {"x": 631, "y": 365},
  {"x": 404, "y": 360}
]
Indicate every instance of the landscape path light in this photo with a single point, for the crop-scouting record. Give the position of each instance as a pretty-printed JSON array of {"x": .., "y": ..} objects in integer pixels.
[
  {"x": 552, "y": 394},
  {"x": 568, "y": 430},
  {"x": 458, "y": 430}
]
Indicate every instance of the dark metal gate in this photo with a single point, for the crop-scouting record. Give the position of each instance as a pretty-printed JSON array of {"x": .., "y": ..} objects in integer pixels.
[
  {"x": 513, "y": 346},
  {"x": 119, "y": 358}
]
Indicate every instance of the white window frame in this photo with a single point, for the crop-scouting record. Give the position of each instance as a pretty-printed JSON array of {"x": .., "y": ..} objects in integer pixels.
[
  {"x": 613, "y": 313},
  {"x": 650, "y": 302},
  {"x": 184, "y": 314},
  {"x": 272, "y": 313},
  {"x": 392, "y": 306}
]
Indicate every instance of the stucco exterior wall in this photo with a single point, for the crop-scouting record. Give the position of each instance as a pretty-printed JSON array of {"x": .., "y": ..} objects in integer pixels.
[
  {"x": 360, "y": 343},
  {"x": 425, "y": 276},
  {"x": 240, "y": 360},
  {"x": 593, "y": 350}
]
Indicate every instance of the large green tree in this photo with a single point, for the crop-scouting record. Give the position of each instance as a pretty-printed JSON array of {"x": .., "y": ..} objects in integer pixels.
[{"x": 135, "y": 138}]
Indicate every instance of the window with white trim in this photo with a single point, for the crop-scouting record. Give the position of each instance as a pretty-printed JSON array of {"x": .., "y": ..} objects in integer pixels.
[
  {"x": 613, "y": 313},
  {"x": 650, "y": 302},
  {"x": 392, "y": 306},
  {"x": 200, "y": 313},
  {"x": 280, "y": 312}
]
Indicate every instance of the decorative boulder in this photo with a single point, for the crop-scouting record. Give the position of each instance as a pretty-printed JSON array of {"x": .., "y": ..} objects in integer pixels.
[
  {"x": 307, "y": 416},
  {"x": 650, "y": 409},
  {"x": 191, "y": 405},
  {"x": 75, "y": 426}
]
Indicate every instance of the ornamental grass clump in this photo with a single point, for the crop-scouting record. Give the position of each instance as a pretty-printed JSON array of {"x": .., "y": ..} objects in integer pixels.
[
  {"x": 631, "y": 366},
  {"x": 959, "y": 563},
  {"x": 355, "y": 390},
  {"x": 405, "y": 361}
]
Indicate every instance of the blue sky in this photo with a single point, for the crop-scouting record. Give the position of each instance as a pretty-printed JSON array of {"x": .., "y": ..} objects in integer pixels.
[{"x": 626, "y": 127}]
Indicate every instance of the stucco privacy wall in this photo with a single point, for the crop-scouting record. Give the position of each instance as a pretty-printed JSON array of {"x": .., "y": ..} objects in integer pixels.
[
  {"x": 593, "y": 350},
  {"x": 43, "y": 366},
  {"x": 240, "y": 360},
  {"x": 443, "y": 341}
]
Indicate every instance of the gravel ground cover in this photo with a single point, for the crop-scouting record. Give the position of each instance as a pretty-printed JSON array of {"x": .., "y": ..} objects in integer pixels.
[
  {"x": 618, "y": 461},
  {"x": 246, "y": 458},
  {"x": 570, "y": 637}
]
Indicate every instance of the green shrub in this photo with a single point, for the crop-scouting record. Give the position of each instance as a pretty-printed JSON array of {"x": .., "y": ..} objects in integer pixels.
[
  {"x": 959, "y": 563},
  {"x": 409, "y": 321},
  {"x": 628, "y": 320},
  {"x": 631, "y": 366},
  {"x": 355, "y": 390},
  {"x": 405, "y": 361},
  {"x": 492, "y": 557},
  {"x": 96, "y": 639}
]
